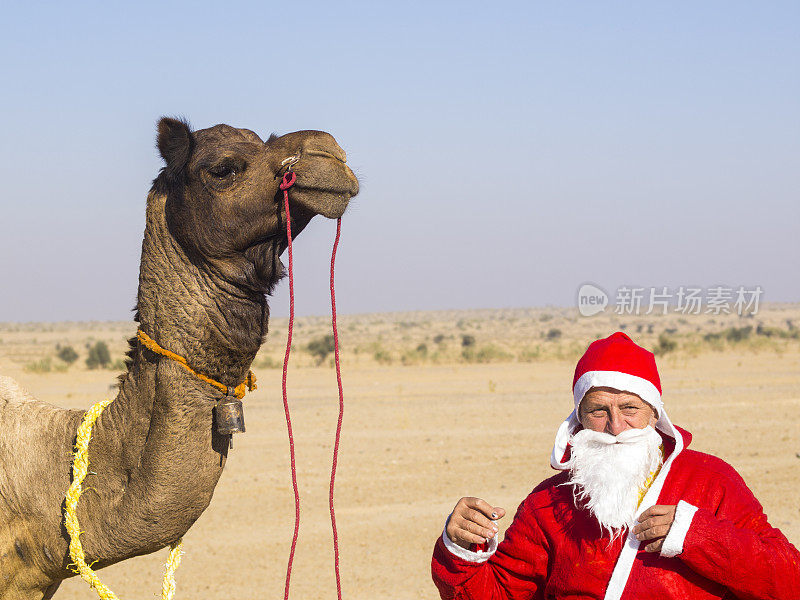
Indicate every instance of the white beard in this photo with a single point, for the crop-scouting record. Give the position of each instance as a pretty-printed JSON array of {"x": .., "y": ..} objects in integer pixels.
[{"x": 608, "y": 473}]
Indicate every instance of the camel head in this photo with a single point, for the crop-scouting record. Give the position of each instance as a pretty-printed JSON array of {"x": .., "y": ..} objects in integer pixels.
[{"x": 223, "y": 202}]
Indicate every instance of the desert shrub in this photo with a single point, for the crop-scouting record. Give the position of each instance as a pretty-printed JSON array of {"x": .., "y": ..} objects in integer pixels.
[
  {"x": 67, "y": 354},
  {"x": 530, "y": 354},
  {"x": 738, "y": 334},
  {"x": 493, "y": 353},
  {"x": 321, "y": 347},
  {"x": 714, "y": 340},
  {"x": 438, "y": 338},
  {"x": 553, "y": 334},
  {"x": 776, "y": 332},
  {"x": 98, "y": 357},
  {"x": 267, "y": 362},
  {"x": 412, "y": 357},
  {"x": 665, "y": 344},
  {"x": 382, "y": 356},
  {"x": 44, "y": 365},
  {"x": 767, "y": 331},
  {"x": 572, "y": 351},
  {"x": 486, "y": 354},
  {"x": 467, "y": 340}
]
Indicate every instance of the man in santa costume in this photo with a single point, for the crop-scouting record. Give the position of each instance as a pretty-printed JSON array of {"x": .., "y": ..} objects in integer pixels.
[{"x": 632, "y": 514}]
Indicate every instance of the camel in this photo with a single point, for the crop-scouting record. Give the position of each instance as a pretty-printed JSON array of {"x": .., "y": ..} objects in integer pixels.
[{"x": 215, "y": 228}]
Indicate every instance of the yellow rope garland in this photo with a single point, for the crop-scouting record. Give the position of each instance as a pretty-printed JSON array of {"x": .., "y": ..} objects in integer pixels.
[
  {"x": 650, "y": 478},
  {"x": 80, "y": 467},
  {"x": 248, "y": 384}
]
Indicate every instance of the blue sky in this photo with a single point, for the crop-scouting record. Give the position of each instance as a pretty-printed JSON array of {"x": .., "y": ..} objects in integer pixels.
[{"x": 508, "y": 152}]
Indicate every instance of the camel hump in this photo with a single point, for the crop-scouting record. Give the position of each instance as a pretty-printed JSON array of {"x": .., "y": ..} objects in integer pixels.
[{"x": 13, "y": 393}]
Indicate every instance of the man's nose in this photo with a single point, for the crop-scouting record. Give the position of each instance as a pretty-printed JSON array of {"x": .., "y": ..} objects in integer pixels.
[{"x": 616, "y": 424}]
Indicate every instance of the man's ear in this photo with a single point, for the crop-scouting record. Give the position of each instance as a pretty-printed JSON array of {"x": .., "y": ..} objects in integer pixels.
[{"x": 175, "y": 143}]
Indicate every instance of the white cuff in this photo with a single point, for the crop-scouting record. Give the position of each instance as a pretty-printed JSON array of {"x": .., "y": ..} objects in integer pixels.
[
  {"x": 463, "y": 553},
  {"x": 673, "y": 543}
]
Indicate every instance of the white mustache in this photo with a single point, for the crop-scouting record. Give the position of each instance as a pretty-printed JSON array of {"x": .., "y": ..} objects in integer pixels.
[{"x": 600, "y": 438}]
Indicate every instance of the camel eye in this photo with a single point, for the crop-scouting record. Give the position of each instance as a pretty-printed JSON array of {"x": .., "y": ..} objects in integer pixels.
[{"x": 222, "y": 171}]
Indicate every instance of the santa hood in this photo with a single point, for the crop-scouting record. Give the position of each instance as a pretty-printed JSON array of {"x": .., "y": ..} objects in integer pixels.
[{"x": 615, "y": 362}]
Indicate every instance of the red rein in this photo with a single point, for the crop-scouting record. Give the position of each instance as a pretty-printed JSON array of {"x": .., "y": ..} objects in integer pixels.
[{"x": 288, "y": 181}]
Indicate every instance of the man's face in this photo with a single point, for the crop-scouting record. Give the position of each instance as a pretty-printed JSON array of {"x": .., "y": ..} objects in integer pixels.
[{"x": 613, "y": 411}]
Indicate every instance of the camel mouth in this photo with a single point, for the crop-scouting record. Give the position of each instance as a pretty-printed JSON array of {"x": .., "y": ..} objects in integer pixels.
[{"x": 329, "y": 203}]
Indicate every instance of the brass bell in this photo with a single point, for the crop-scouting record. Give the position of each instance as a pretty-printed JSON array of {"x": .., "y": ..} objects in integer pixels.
[{"x": 229, "y": 413}]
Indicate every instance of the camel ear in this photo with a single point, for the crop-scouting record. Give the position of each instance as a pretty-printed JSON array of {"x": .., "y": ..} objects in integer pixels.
[{"x": 175, "y": 142}]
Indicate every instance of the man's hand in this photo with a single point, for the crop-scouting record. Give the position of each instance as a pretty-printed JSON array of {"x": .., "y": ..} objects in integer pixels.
[
  {"x": 471, "y": 522},
  {"x": 654, "y": 524}
]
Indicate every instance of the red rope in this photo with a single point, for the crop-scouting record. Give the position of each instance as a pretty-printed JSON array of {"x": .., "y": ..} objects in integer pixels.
[
  {"x": 288, "y": 181},
  {"x": 341, "y": 412}
]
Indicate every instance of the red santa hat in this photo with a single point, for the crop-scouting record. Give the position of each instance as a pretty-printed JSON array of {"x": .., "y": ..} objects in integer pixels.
[{"x": 615, "y": 362}]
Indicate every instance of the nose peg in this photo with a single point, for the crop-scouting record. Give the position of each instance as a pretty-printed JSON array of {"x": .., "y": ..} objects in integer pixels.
[{"x": 290, "y": 161}]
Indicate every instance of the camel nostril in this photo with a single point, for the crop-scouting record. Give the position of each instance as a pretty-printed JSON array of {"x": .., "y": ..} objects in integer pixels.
[{"x": 335, "y": 153}]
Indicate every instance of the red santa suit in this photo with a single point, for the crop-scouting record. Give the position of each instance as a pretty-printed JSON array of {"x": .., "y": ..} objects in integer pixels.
[{"x": 720, "y": 544}]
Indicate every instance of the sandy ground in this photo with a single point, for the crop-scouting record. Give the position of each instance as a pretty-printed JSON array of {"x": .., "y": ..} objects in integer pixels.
[{"x": 415, "y": 439}]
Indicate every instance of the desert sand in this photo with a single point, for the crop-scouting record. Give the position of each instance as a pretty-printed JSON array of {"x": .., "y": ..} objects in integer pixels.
[{"x": 423, "y": 427}]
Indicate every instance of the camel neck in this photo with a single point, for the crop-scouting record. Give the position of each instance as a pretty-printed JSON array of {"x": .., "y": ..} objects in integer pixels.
[
  {"x": 188, "y": 309},
  {"x": 161, "y": 424}
]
